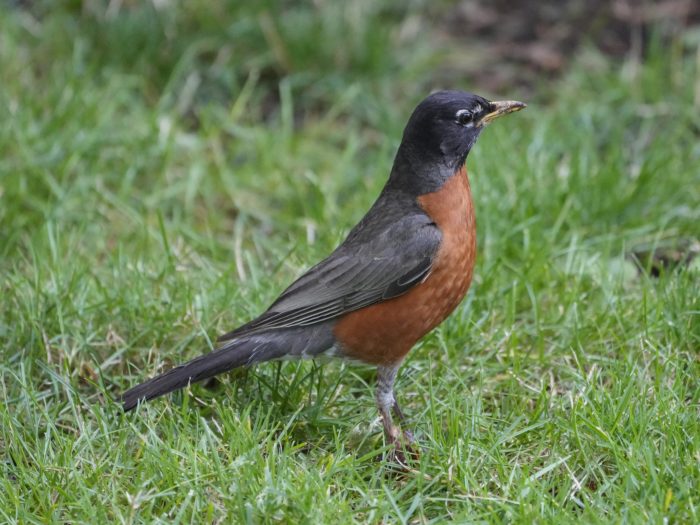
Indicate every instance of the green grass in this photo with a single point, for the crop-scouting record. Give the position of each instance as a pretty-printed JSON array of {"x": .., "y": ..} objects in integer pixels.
[{"x": 164, "y": 174}]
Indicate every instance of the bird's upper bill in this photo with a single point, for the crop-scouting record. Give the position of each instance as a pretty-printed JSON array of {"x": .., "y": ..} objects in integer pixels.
[{"x": 501, "y": 107}]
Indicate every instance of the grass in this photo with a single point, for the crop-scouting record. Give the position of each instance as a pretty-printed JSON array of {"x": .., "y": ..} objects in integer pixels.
[{"x": 165, "y": 173}]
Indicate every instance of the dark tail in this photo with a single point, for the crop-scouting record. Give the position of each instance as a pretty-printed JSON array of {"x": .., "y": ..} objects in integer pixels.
[{"x": 233, "y": 354}]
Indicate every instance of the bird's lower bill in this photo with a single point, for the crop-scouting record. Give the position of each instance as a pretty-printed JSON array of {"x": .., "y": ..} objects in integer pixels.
[{"x": 500, "y": 108}]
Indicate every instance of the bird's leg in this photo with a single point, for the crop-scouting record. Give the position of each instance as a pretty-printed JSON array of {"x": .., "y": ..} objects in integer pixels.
[
  {"x": 386, "y": 402},
  {"x": 402, "y": 420}
]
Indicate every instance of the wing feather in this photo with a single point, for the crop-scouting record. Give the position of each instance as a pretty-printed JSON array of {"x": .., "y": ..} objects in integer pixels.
[{"x": 353, "y": 277}]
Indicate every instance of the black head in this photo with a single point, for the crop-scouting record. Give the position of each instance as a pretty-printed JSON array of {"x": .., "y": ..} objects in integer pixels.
[{"x": 439, "y": 135}]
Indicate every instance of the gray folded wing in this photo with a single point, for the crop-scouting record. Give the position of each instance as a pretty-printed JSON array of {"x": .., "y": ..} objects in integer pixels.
[{"x": 359, "y": 273}]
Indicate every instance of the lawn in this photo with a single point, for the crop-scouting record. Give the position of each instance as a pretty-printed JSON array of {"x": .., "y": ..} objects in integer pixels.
[{"x": 166, "y": 171}]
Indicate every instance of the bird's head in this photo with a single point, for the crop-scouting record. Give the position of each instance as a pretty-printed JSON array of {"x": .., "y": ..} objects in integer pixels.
[{"x": 442, "y": 130}]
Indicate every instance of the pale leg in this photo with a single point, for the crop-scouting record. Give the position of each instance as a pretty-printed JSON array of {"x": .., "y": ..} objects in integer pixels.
[{"x": 386, "y": 402}]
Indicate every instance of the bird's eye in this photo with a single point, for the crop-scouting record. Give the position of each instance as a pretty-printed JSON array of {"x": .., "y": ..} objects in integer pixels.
[{"x": 464, "y": 117}]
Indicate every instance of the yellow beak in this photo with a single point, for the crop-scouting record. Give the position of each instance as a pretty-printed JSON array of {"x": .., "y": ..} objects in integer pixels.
[{"x": 501, "y": 107}]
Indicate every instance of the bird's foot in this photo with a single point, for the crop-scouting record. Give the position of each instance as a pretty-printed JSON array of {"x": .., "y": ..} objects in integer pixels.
[{"x": 404, "y": 448}]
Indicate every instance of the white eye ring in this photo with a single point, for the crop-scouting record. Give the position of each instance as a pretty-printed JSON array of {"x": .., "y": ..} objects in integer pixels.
[{"x": 463, "y": 118}]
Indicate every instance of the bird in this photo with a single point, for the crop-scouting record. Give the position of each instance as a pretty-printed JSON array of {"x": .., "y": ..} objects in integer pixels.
[{"x": 397, "y": 275}]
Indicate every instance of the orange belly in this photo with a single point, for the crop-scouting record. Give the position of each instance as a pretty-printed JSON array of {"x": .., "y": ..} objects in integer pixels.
[{"x": 383, "y": 333}]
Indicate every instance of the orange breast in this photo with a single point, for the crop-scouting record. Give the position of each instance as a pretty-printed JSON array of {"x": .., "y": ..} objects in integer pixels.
[{"x": 383, "y": 333}]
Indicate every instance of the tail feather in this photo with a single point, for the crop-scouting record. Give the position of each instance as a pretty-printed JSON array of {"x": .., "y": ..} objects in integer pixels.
[
  {"x": 234, "y": 354},
  {"x": 307, "y": 341}
]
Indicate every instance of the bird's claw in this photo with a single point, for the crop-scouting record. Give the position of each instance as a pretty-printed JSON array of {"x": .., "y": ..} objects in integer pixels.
[{"x": 404, "y": 449}]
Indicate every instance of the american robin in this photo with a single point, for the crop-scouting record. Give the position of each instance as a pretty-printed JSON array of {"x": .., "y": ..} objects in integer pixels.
[{"x": 400, "y": 272}]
